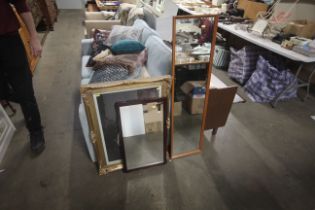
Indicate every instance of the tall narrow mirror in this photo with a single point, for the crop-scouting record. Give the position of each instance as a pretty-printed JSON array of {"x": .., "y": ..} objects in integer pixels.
[{"x": 193, "y": 48}]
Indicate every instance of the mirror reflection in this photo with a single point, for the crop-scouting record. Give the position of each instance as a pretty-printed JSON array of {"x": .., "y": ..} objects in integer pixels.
[
  {"x": 107, "y": 118},
  {"x": 143, "y": 133},
  {"x": 193, "y": 36}
]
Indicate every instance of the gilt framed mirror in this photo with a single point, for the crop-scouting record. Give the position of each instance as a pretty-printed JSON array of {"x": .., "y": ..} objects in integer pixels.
[
  {"x": 194, "y": 39},
  {"x": 143, "y": 132},
  {"x": 99, "y": 100}
]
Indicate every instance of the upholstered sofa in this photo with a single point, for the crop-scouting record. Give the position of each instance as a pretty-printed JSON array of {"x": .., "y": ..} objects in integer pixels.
[
  {"x": 104, "y": 19},
  {"x": 159, "y": 63}
]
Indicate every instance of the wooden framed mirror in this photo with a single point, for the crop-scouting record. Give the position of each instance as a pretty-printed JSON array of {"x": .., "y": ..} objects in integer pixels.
[
  {"x": 194, "y": 39},
  {"x": 99, "y": 101},
  {"x": 143, "y": 132}
]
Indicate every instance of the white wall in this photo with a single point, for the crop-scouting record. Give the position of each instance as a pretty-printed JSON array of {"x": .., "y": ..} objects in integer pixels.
[{"x": 70, "y": 4}]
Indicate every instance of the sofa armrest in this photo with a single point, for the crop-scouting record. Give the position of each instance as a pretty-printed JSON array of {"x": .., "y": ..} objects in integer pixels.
[
  {"x": 86, "y": 46},
  {"x": 159, "y": 61},
  {"x": 100, "y": 24},
  {"x": 86, "y": 132}
]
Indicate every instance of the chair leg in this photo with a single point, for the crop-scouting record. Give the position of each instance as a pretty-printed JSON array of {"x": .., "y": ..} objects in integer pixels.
[{"x": 214, "y": 131}]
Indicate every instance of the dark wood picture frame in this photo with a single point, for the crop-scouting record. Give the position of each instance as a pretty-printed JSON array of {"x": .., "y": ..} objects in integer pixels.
[{"x": 164, "y": 102}]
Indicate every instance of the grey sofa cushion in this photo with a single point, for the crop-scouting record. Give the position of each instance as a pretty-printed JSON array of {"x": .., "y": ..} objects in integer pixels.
[
  {"x": 150, "y": 18},
  {"x": 86, "y": 72},
  {"x": 109, "y": 72},
  {"x": 159, "y": 57},
  {"x": 146, "y": 30},
  {"x": 86, "y": 46}
]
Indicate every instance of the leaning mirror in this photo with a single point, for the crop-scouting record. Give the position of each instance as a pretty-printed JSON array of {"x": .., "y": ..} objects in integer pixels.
[
  {"x": 143, "y": 132},
  {"x": 100, "y": 99},
  {"x": 193, "y": 48}
]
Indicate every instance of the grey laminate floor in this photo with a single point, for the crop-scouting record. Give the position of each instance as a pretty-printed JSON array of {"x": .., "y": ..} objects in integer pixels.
[{"x": 262, "y": 159}]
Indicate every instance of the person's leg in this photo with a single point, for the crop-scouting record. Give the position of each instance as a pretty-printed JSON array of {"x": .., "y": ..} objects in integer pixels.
[{"x": 16, "y": 68}]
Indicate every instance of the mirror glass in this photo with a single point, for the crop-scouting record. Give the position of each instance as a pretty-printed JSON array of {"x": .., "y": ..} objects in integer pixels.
[
  {"x": 107, "y": 118},
  {"x": 143, "y": 132},
  {"x": 192, "y": 46}
]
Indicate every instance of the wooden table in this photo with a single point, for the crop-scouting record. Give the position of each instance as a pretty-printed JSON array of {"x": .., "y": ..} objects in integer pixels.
[
  {"x": 276, "y": 48},
  {"x": 273, "y": 47}
]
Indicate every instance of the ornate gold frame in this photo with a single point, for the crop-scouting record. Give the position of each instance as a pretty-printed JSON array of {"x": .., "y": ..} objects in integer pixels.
[{"x": 89, "y": 91}]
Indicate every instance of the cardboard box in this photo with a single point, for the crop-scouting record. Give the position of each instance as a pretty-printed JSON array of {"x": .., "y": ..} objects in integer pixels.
[
  {"x": 195, "y": 94},
  {"x": 194, "y": 105},
  {"x": 177, "y": 108},
  {"x": 153, "y": 127},
  {"x": 194, "y": 88},
  {"x": 301, "y": 28},
  {"x": 153, "y": 120},
  {"x": 252, "y": 8}
]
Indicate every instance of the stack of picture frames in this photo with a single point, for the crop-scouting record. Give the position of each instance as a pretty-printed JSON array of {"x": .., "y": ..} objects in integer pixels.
[
  {"x": 127, "y": 121},
  {"x": 140, "y": 123}
]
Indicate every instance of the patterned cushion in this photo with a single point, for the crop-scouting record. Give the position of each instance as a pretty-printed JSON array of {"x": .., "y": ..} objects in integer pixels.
[
  {"x": 100, "y": 37},
  {"x": 114, "y": 72},
  {"x": 98, "y": 45},
  {"x": 109, "y": 72},
  {"x": 126, "y": 47}
]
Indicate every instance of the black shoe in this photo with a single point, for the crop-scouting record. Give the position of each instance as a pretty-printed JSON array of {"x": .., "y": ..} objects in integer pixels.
[{"x": 37, "y": 141}]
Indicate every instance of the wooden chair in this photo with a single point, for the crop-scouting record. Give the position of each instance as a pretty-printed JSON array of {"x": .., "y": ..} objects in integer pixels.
[{"x": 219, "y": 105}]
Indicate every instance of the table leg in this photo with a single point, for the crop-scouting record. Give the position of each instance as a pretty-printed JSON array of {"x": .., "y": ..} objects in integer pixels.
[{"x": 309, "y": 83}]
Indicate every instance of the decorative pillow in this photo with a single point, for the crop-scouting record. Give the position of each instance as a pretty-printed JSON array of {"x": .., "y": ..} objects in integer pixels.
[
  {"x": 102, "y": 55},
  {"x": 100, "y": 37},
  {"x": 123, "y": 32},
  {"x": 127, "y": 47},
  {"x": 109, "y": 72},
  {"x": 128, "y": 61},
  {"x": 98, "y": 45}
]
